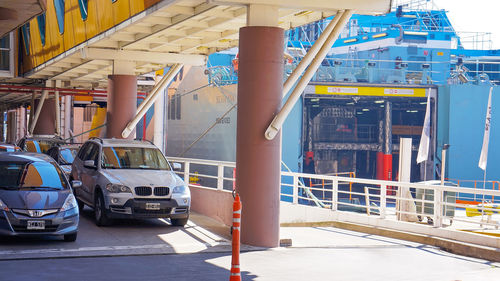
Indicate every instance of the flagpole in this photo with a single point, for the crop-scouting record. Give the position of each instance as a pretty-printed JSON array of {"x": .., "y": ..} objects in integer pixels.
[
  {"x": 483, "y": 159},
  {"x": 482, "y": 200}
]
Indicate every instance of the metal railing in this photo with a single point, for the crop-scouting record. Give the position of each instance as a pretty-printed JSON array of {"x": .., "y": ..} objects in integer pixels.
[
  {"x": 395, "y": 202},
  {"x": 218, "y": 175}
]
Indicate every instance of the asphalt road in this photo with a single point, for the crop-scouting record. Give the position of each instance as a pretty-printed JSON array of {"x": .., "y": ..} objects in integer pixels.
[
  {"x": 154, "y": 250},
  {"x": 357, "y": 263}
]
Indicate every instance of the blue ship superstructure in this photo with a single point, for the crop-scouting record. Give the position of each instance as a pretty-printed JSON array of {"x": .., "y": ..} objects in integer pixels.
[{"x": 370, "y": 91}]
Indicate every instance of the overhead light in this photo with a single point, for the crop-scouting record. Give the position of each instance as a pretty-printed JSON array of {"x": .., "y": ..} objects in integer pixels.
[
  {"x": 359, "y": 112},
  {"x": 314, "y": 100},
  {"x": 424, "y": 102},
  {"x": 366, "y": 109},
  {"x": 379, "y": 35},
  {"x": 382, "y": 105},
  {"x": 315, "y": 105},
  {"x": 379, "y": 101},
  {"x": 350, "y": 103},
  {"x": 350, "y": 40}
]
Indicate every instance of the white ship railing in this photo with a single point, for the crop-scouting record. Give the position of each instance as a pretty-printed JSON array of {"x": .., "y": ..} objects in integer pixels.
[{"x": 399, "y": 204}]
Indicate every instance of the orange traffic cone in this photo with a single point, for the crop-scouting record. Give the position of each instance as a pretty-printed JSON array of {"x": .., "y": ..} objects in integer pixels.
[{"x": 235, "y": 261}]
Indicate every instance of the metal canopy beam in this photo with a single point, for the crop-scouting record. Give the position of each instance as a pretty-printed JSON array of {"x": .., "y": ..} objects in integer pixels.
[
  {"x": 142, "y": 56},
  {"x": 361, "y": 6}
]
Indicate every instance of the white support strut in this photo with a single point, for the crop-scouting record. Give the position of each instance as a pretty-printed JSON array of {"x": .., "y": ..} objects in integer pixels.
[
  {"x": 150, "y": 99},
  {"x": 279, "y": 119},
  {"x": 306, "y": 60}
]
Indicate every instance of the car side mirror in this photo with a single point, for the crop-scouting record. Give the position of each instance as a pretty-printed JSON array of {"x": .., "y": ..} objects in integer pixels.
[
  {"x": 90, "y": 164},
  {"x": 177, "y": 166},
  {"x": 76, "y": 184}
]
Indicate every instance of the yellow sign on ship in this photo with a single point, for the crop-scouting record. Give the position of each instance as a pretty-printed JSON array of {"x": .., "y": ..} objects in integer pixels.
[{"x": 370, "y": 91}]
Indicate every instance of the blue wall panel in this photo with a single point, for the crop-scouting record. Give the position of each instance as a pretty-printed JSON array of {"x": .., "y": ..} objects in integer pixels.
[{"x": 467, "y": 116}]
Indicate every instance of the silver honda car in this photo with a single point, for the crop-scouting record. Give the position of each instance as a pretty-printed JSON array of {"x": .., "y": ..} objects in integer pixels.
[
  {"x": 35, "y": 197},
  {"x": 129, "y": 179}
]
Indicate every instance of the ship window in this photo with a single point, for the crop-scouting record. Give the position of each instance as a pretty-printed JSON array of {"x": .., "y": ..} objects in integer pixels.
[
  {"x": 174, "y": 107},
  {"x": 59, "y": 6},
  {"x": 41, "y": 27},
  {"x": 84, "y": 4},
  {"x": 113, "y": 1},
  {"x": 25, "y": 30}
]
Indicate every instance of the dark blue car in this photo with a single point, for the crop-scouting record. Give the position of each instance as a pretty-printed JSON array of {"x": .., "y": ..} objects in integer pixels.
[{"x": 36, "y": 197}]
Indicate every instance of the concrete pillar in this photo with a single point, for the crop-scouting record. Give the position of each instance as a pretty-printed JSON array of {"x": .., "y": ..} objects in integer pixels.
[
  {"x": 68, "y": 109},
  {"x": 260, "y": 86},
  {"x": 21, "y": 122},
  {"x": 11, "y": 126},
  {"x": 159, "y": 121},
  {"x": 57, "y": 106},
  {"x": 46, "y": 123},
  {"x": 122, "y": 104}
]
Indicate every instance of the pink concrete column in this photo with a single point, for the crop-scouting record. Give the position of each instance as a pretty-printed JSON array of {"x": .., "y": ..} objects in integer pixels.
[
  {"x": 260, "y": 86},
  {"x": 46, "y": 124},
  {"x": 122, "y": 104}
]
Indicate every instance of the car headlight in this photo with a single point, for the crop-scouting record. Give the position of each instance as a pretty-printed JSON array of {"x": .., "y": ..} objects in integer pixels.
[
  {"x": 69, "y": 203},
  {"x": 3, "y": 206},
  {"x": 117, "y": 188},
  {"x": 179, "y": 189}
]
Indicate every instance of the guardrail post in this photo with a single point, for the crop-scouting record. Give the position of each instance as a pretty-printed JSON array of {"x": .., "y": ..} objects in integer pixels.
[
  {"x": 437, "y": 207},
  {"x": 220, "y": 177},
  {"x": 186, "y": 173},
  {"x": 335, "y": 188},
  {"x": 383, "y": 200},
  {"x": 295, "y": 189}
]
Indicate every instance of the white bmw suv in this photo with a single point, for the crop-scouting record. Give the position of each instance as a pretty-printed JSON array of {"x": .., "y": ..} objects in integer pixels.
[{"x": 129, "y": 179}]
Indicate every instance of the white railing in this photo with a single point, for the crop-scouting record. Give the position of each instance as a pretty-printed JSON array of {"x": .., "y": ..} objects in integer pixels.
[
  {"x": 206, "y": 173},
  {"x": 385, "y": 200}
]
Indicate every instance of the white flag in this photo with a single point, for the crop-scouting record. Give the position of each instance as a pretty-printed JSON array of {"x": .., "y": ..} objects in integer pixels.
[
  {"x": 425, "y": 138},
  {"x": 483, "y": 159}
]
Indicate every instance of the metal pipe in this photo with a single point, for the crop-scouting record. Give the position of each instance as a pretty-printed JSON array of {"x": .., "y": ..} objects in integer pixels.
[
  {"x": 45, "y": 93},
  {"x": 388, "y": 128},
  {"x": 279, "y": 119},
  {"x": 161, "y": 85},
  {"x": 51, "y": 90},
  {"x": 306, "y": 60},
  {"x": 150, "y": 99}
]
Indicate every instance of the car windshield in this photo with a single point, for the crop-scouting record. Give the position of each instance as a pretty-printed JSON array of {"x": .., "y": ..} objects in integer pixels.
[
  {"x": 32, "y": 175},
  {"x": 133, "y": 158},
  {"x": 68, "y": 155},
  {"x": 39, "y": 146}
]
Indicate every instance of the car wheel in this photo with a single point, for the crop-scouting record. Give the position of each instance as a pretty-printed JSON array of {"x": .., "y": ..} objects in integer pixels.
[
  {"x": 179, "y": 222},
  {"x": 101, "y": 218},
  {"x": 70, "y": 237}
]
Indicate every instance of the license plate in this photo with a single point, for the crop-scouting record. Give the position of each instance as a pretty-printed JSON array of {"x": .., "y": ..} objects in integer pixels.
[
  {"x": 152, "y": 206},
  {"x": 33, "y": 225}
]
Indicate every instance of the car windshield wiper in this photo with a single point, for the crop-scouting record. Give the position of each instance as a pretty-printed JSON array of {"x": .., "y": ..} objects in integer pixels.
[
  {"x": 42, "y": 187},
  {"x": 9, "y": 187}
]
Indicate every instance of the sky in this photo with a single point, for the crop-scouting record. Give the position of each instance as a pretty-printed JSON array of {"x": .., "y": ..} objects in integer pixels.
[{"x": 476, "y": 16}]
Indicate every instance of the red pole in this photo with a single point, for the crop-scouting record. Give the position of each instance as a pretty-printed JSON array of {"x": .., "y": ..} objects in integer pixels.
[
  {"x": 380, "y": 165},
  {"x": 235, "y": 261}
]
